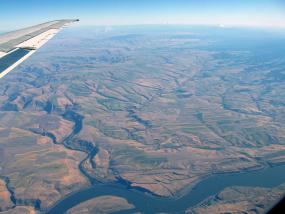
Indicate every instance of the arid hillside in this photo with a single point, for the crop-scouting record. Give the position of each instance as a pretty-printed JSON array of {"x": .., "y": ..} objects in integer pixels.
[{"x": 159, "y": 110}]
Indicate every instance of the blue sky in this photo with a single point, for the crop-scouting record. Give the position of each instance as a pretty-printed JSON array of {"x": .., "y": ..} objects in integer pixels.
[{"x": 19, "y": 13}]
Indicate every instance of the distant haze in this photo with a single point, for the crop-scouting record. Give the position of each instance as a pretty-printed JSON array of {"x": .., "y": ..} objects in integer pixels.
[{"x": 258, "y": 13}]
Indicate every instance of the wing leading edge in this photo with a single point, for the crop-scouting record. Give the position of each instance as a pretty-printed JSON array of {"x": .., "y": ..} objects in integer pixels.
[{"x": 17, "y": 46}]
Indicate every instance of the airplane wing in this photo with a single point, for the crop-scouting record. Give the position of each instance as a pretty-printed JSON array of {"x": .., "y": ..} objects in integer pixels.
[{"x": 17, "y": 46}]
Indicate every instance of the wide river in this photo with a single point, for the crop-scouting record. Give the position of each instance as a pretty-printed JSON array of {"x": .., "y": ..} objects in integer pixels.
[{"x": 145, "y": 203}]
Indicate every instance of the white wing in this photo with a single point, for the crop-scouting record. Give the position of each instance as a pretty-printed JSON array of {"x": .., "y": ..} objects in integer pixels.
[{"x": 17, "y": 46}]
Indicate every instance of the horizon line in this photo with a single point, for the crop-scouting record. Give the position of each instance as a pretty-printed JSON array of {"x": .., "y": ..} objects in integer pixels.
[{"x": 225, "y": 26}]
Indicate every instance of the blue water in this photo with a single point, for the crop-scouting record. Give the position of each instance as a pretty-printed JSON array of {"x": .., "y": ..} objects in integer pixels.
[{"x": 268, "y": 177}]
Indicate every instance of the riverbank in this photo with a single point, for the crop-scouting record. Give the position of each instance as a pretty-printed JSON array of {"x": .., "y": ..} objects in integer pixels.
[{"x": 150, "y": 204}]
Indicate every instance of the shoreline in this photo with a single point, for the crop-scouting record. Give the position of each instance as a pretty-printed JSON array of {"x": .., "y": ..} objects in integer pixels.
[
  {"x": 93, "y": 182},
  {"x": 175, "y": 198}
]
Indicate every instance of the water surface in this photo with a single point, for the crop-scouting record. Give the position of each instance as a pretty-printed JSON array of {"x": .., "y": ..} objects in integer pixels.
[{"x": 268, "y": 177}]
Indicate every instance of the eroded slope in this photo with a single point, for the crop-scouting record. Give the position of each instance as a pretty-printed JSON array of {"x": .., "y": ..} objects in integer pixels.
[{"x": 158, "y": 111}]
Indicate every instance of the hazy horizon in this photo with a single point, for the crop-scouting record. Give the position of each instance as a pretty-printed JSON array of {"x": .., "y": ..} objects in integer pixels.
[{"x": 242, "y": 13}]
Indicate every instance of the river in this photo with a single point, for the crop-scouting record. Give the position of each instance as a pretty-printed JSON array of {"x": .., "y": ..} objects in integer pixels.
[{"x": 145, "y": 203}]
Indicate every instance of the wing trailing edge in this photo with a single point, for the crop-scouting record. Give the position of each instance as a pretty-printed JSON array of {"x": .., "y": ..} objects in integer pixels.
[{"x": 17, "y": 46}]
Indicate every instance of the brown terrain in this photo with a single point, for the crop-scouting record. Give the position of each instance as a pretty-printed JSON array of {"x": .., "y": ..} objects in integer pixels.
[
  {"x": 39, "y": 171},
  {"x": 5, "y": 201},
  {"x": 160, "y": 111},
  {"x": 238, "y": 200},
  {"x": 101, "y": 205},
  {"x": 21, "y": 210}
]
